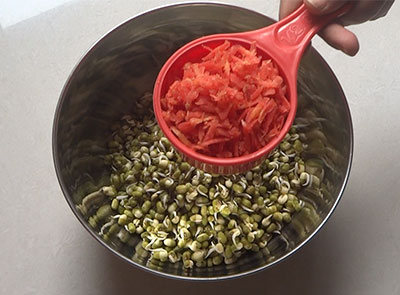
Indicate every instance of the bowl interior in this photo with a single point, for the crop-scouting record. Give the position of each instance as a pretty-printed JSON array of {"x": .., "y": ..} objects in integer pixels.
[{"x": 122, "y": 68}]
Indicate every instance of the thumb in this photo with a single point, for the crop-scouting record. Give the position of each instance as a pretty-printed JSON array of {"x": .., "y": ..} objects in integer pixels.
[{"x": 323, "y": 6}]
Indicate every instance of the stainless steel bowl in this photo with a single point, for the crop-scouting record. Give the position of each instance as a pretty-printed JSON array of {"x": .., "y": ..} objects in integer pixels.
[{"x": 122, "y": 66}]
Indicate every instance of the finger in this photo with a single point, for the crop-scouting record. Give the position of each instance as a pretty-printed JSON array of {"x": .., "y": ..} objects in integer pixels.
[
  {"x": 363, "y": 11},
  {"x": 288, "y": 6},
  {"x": 341, "y": 38},
  {"x": 323, "y": 6},
  {"x": 384, "y": 10}
]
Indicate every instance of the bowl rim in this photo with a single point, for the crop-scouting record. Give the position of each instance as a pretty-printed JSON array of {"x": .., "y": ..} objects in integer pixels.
[{"x": 56, "y": 157}]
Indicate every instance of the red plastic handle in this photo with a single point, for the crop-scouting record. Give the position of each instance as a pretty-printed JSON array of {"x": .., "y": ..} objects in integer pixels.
[
  {"x": 287, "y": 39},
  {"x": 297, "y": 29}
]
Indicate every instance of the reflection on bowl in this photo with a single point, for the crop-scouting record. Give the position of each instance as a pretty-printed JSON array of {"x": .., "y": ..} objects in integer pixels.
[{"x": 121, "y": 68}]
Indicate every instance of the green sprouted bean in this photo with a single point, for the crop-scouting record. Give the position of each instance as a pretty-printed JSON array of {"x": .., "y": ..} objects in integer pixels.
[{"x": 186, "y": 215}]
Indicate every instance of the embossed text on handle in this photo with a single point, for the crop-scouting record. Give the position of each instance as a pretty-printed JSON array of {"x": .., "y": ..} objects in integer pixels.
[{"x": 292, "y": 33}]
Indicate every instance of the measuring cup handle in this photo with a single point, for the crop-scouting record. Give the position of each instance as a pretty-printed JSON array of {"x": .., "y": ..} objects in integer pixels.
[{"x": 297, "y": 29}]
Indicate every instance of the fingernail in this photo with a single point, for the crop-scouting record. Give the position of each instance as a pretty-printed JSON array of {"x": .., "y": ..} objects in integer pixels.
[
  {"x": 346, "y": 51},
  {"x": 317, "y": 4},
  {"x": 350, "y": 52}
]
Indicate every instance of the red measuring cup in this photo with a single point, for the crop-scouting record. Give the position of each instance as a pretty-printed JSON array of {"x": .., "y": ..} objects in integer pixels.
[{"x": 284, "y": 42}]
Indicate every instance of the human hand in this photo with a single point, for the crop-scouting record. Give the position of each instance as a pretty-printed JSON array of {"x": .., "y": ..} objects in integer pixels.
[{"x": 335, "y": 34}]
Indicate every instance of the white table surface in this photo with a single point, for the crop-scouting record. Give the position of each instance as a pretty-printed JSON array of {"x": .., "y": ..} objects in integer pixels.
[{"x": 44, "y": 249}]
